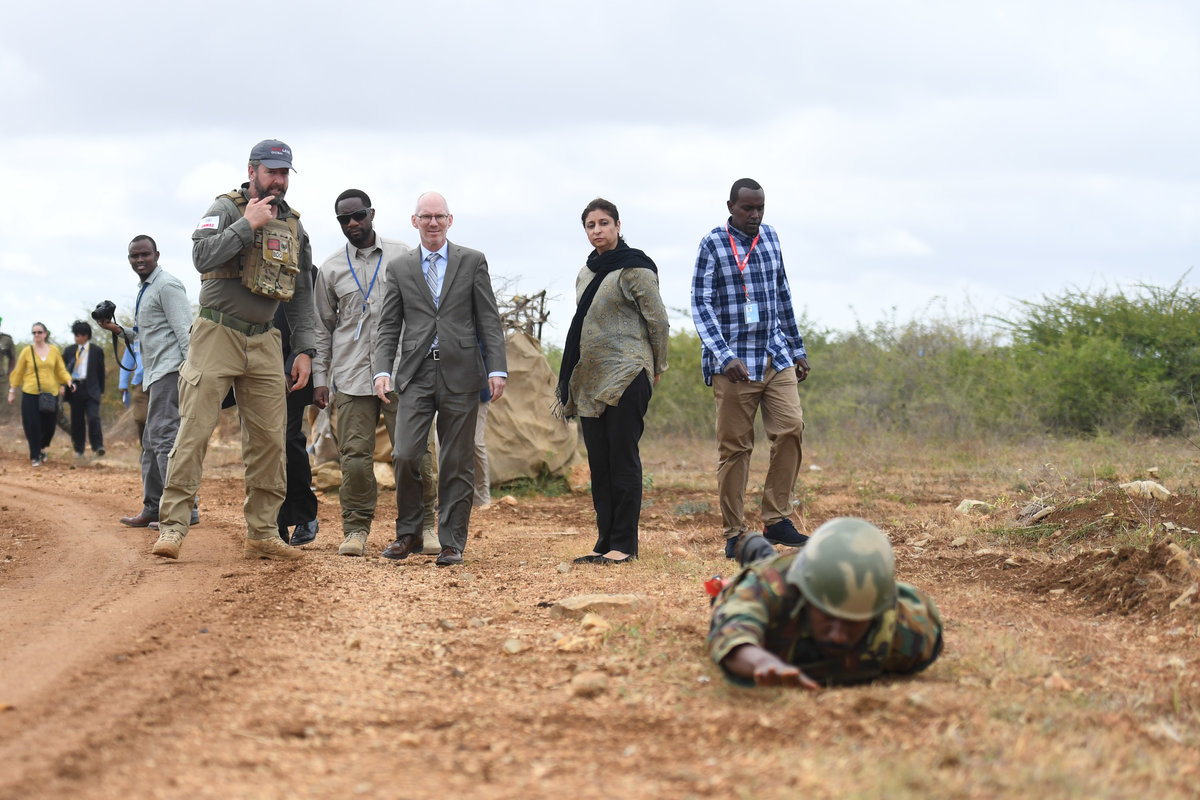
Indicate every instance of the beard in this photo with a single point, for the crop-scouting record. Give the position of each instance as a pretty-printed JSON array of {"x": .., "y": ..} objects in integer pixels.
[{"x": 262, "y": 191}]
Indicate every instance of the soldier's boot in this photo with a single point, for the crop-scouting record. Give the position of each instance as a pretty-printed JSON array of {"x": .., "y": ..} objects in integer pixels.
[
  {"x": 271, "y": 548},
  {"x": 168, "y": 544},
  {"x": 430, "y": 546},
  {"x": 355, "y": 544}
]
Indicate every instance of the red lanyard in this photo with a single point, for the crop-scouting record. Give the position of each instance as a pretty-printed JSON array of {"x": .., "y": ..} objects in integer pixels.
[{"x": 741, "y": 264}]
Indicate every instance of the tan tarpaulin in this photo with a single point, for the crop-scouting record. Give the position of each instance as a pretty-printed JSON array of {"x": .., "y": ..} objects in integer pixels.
[
  {"x": 523, "y": 437},
  {"x": 524, "y": 440}
]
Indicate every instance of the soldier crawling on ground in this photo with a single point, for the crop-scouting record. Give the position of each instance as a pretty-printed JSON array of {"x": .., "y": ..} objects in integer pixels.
[{"x": 831, "y": 614}]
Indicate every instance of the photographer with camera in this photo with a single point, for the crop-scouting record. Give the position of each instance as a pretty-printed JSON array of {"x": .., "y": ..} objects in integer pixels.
[
  {"x": 85, "y": 362},
  {"x": 161, "y": 318}
]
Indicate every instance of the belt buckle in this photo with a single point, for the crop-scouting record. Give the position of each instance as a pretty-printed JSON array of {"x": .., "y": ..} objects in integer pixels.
[{"x": 436, "y": 355}]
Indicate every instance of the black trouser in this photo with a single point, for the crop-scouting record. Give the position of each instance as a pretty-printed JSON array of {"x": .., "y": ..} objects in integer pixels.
[
  {"x": 85, "y": 419},
  {"x": 612, "y": 445},
  {"x": 38, "y": 425},
  {"x": 300, "y": 504}
]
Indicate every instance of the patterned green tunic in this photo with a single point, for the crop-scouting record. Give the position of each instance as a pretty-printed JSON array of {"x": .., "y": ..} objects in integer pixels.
[{"x": 759, "y": 607}]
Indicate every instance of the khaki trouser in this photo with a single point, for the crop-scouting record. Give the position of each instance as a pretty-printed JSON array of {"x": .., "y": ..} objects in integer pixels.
[
  {"x": 429, "y": 481},
  {"x": 357, "y": 418},
  {"x": 219, "y": 357},
  {"x": 354, "y": 429},
  {"x": 483, "y": 488},
  {"x": 783, "y": 422}
]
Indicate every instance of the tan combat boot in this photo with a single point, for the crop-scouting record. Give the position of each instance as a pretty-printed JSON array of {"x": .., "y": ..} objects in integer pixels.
[
  {"x": 430, "y": 546},
  {"x": 354, "y": 545},
  {"x": 272, "y": 548},
  {"x": 168, "y": 544}
]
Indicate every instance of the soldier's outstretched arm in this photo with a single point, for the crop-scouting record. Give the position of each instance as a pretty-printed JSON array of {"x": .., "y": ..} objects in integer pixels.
[{"x": 765, "y": 668}]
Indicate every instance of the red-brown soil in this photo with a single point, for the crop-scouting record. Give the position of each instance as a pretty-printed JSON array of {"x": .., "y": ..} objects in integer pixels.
[{"x": 1066, "y": 670}]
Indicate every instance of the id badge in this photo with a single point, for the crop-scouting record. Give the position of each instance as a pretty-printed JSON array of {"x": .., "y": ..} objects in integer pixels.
[
  {"x": 366, "y": 311},
  {"x": 751, "y": 313}
]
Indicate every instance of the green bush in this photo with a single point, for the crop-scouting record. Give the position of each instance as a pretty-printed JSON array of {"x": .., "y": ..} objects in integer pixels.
[
  {"x": 1077, "y": 363},
  {"x": 1110, "y": 360}
]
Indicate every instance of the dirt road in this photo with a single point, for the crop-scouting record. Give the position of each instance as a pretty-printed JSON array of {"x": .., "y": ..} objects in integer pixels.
[{"x": 123, "y": 675}]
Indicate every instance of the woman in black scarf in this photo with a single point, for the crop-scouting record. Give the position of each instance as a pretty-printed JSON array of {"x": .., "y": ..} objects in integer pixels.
[{"x": 616, "y": 348}]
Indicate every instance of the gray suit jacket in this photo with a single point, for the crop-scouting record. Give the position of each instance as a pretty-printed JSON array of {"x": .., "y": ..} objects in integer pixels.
[{"x": 465, "y": 318}]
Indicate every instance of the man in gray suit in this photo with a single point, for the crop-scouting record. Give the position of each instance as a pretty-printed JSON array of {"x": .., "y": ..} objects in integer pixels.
[{"x": 440, "y": 296}]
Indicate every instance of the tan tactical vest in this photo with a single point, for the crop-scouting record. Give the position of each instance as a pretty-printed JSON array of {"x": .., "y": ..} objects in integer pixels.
[{"x": 270, "y": 265}]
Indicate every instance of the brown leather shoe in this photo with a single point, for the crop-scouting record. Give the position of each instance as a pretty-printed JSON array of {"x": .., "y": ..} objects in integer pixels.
[
  {"x": 142, "y": 520},
  {"x": 408, "y": 543},
  {"x": 449, "y": 557}
]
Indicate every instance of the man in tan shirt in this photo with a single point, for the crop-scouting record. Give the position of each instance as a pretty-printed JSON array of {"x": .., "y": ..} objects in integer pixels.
[{"x": 350, "y": 288}]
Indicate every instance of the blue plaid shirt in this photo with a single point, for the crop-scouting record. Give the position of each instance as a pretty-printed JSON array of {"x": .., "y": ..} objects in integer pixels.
[{"x": 718, "y": 305}]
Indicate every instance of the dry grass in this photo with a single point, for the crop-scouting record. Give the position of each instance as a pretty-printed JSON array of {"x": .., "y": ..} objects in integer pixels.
[{"x": 341, "y": 676}]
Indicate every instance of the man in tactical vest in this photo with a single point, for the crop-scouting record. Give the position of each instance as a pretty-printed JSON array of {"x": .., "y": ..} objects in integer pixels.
[
  {"x": 249, "y": 249},
  {"x": 831, "y": 614}
]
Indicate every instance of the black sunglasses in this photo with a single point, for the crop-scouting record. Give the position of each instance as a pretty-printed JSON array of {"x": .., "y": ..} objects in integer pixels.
[{"x": 357, "y": 216}]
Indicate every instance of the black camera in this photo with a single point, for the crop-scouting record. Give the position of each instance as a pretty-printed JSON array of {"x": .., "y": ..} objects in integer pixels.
[{"x": 104, "y": 311}]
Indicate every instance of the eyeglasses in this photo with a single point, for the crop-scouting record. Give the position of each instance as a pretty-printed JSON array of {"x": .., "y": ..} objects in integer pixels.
[
  {"x": 357, "y": 216},
  {"x": 427, "y": 218}
]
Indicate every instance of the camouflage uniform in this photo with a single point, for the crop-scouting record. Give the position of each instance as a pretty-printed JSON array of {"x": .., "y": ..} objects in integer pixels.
[
  {"x": 760, "y": 607},
  {"x": 8, "y": 360}
]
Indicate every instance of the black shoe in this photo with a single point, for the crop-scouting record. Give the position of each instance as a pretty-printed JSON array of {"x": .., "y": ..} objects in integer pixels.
[
  {"x": 731, "y": 546},
  {"x": 195, "y": 519},
  {"x": 284, "y": 536},
  {"x": 784, "y": 533},
  {"x": 590, "y": 558},
  {"x": 305, "y": 533},
  {"x": 625, "y": 560},
  {"x": 100, "y": 451}
]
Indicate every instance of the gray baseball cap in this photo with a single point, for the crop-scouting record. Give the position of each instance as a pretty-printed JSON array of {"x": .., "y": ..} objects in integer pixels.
[{"x": 273, "y": 154}]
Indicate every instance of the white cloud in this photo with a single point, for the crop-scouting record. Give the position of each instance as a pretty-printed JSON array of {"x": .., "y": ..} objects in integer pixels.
[{"x": 909, "y": 150}]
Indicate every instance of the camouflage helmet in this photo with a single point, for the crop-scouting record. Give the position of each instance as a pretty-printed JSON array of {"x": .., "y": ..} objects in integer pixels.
[{"x": 846, "y": 569}]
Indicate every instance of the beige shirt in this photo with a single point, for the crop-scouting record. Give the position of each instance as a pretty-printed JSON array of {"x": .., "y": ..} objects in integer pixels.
[
  {"x": 346, "y": 333},
  {"x": 625, "y": 331}
]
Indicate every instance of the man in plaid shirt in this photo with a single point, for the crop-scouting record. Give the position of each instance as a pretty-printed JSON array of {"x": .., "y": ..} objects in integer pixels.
[{"x": 753, "y": 356}]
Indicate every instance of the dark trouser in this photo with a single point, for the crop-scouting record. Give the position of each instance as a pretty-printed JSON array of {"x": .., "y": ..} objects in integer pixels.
[
  {"x": 300, "y": 504},
  {"x": 426, "y": 396},
  {"x": 158, "y": 436},
  {"x": 612, "y": 446},
  {"x": 85, "y": 419},
  {"x": 39, "y": 426}
]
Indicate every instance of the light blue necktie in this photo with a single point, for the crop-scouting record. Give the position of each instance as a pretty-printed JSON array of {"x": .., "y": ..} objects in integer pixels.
[{"x": 431, "y": 276}]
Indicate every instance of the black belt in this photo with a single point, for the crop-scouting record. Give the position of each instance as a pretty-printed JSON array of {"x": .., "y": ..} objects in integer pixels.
[
  {"x": 241, "y": 326},
  {"x": 436, "y": 355}
]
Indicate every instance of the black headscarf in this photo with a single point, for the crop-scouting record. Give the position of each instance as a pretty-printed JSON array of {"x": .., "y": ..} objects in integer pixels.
[{"x": 620, "y": 257}]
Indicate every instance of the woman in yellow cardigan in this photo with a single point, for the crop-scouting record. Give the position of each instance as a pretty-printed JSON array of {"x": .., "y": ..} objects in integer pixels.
[{"x": 40, "y": 363}]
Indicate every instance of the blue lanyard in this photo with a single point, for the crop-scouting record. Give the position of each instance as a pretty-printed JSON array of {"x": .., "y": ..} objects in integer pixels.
[
  {"x": 367, "y": 294},
  {"x": 136, "y": 306}
]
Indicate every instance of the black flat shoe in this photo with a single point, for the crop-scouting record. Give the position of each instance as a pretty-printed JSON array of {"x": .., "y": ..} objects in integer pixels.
[
  {"x": 625, "y": 560},
  {"x": 589, "y": 559}
]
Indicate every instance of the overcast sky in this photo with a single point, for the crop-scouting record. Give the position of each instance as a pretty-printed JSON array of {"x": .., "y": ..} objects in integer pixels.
[{"x": 914, "y": 154}]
